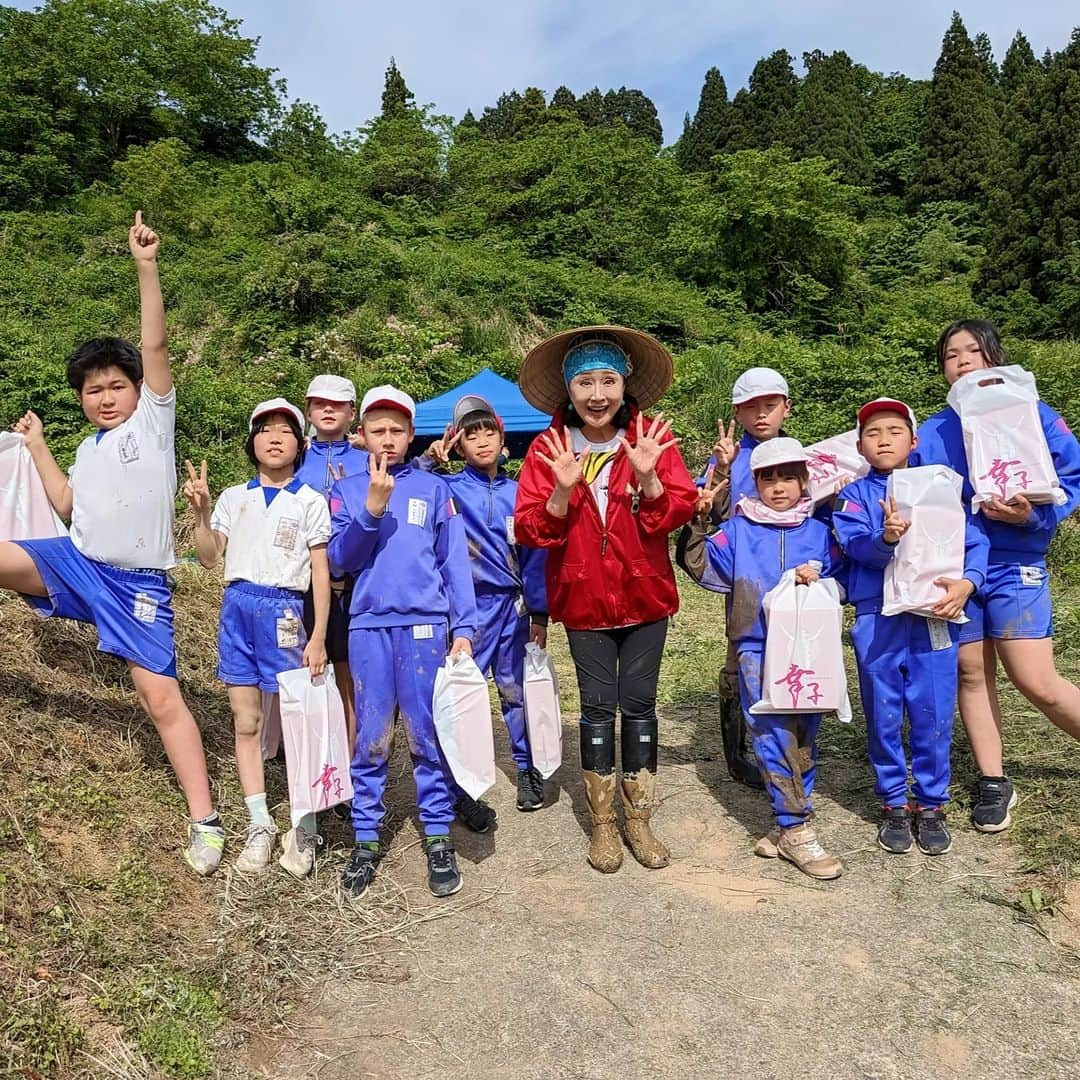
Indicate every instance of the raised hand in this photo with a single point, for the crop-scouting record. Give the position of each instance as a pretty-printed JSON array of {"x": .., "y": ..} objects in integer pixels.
[
  {"x": 957, "y": 593},
  {"x": 707, "y": 495},
  {"x": 30, "y": 428},
  {"x": 725, "y": 449},
  {"x": 197, "y": 489},
  {"x": 142, "y": 240},
  {"x": 1014, "y": 512},
  {"x": 380, "y": 485},
  {"x": 563, "y": 464},
  {"x": 895, "y": 525},
  {"x": 357, "y": 440},
  {"x": 439, "y": 450},
  {"x": 646, "y": 451}
]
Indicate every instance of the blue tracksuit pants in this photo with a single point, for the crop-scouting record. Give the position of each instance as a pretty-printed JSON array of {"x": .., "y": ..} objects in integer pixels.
[
  {"x": 499, "y": 647},
  {"x": 785, "y": 746},
  {"x": 899, "y": 669},
  {"x": 395, "y": 666}
]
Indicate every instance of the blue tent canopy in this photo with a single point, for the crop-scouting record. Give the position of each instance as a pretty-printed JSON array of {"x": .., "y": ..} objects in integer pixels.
[{"x": 519, "y": 418}]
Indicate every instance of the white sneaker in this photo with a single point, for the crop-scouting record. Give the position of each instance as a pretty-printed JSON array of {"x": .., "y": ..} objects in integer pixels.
[
  {"x": 258, "y": 848},
  {"x": 298, "y": 851},
  {"x": 205, "y": 846}
]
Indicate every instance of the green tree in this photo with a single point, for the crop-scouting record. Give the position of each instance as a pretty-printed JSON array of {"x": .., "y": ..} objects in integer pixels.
[
  {"x": 896, "y": 109},
  {"x": 634, "y": 109},
  {"x": 832, "y": 114},
  {"x": 590, "y": 107},
  {"x": 499, "y": 121},
  {"x": 563, "y": 100},
  {"x": 959, "y": 142},
  {"x": 397, "y": 98},
  {"x": 766, "y": 109},
  {"x": 712, "y": 128}
]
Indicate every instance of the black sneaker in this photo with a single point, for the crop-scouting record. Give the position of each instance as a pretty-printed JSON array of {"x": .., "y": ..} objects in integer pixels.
[
  {"x": 894, "y": 833},
  {"x": 360, "y": 870},
  {"x": 443, "y": 877},
  {"x": 994, "y": 798},
  {"x": 530, "y": 789},
  {"x": 931, "y": 832},
  {"x": 475, "y": 814}
]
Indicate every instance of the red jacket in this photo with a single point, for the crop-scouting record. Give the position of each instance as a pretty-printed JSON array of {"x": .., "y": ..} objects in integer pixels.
[{"x": 618, "y": 573}]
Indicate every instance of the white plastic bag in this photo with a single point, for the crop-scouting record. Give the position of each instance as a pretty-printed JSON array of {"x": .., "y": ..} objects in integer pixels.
[
  {"x": 929, "y": 496},
  {"x": 804, "y": 661},
  {"x": 25, "y": 510},
  {"x": 462, "y": 713},
  {"x": 543, "y": 717},
  {"x": 1003, "y": 435},
  {"x": 833, "y": 463},
  {"x": 316, "y": 739}
]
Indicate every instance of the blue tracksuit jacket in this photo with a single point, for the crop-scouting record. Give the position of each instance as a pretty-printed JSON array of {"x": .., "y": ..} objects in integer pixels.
[{"x": 323, "y": 459}]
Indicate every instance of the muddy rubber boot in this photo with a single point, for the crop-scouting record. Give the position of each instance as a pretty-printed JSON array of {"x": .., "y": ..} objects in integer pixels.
[
  {"x": 598, "y": 772},
  {"x": 639, "y": 793}
]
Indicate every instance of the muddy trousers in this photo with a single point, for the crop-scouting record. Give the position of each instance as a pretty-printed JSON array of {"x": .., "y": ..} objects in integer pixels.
[
  {"x": 618, "y": 670},
  {"x": 785, "y": 746},
  {"x": 733, "y": 730},
  {"x": 394, "y": 667},
  {"x": 901, "y": 670}
]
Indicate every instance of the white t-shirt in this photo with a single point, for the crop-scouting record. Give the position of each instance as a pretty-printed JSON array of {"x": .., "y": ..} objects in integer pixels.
[
  {"x": 271, "y": 544},
  {"x": 123, "y": 484},
  {"x": 597, "y": 471}
]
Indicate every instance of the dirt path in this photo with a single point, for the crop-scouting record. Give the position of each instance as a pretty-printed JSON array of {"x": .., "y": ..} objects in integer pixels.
[{"x": 722, "y": 964}]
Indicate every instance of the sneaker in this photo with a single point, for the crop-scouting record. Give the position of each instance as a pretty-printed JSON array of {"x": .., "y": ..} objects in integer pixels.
[
  {"x": 530, "y": 789},
  {"x": 258, "y": 848},
  {"x": 894, "y": 833},
  {"x": 443, "y": 877},
  {"x": 206, "y": 843},
  {"x": 475, "y": 814},
  {"x": 800, "y": 846},
  {"x": 360, "y": 870},
  {"x": 993, "y": 801},
  {"x": 767, "y": 846},
  {"x": 298, "y": 851},
  {"x": 931, "y": 832}
]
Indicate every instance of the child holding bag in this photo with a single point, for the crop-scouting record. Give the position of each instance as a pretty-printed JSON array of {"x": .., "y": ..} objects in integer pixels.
[
  {"x": 273, "y": 531},
  {"x": 769, "y": 534}
]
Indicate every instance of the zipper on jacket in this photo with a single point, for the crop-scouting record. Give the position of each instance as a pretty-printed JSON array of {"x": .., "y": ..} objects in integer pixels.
[
  {"x": 491, "y": 501},
  {"x": 783, "y": 550}
]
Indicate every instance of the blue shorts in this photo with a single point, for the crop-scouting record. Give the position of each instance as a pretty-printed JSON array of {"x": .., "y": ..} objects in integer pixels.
[
  {"x": 261, "y": 633},
  {"x": 1013, "y": 604},
  {"x": 132, "y": 609}
]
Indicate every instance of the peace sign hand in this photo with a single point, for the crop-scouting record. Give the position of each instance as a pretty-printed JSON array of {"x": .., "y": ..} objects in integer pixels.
[
  {"x": 380, "y": 485},
  {"x": 563, "y": 464},
  {"x": 439, "y": 450},
  {"x": 142, "y": 240},
  {"x": 725, "y": 449},
  {"x": 197, "y": 489},
  {"x": 895, "y": 525},
  {"x": 707, "y": 495},
  {"x": 645, "y": 453}
]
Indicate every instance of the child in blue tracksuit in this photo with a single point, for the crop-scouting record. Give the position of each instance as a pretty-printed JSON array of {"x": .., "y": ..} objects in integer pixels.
[
  {"x": 906, "y": 662},
  {"x": 1010, "y": 618},
  {"x": 746, "y": 557},
  {"x": 396, "y": 529},
  {"x": 511, "y": 597}
]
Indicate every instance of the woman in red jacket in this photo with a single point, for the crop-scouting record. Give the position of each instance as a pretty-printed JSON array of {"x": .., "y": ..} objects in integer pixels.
[{"x": 601, "y": 491}]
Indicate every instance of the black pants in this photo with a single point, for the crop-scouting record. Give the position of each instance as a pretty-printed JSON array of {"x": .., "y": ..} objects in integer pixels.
[{"x": 618, "y": 670}]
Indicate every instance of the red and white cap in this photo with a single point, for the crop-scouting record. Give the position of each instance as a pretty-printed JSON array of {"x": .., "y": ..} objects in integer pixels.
[
  {"x": 278, "y": 404},
  {"x": 885, "y": 404},
  {"x": 758, "y": 382},
  {"x": 331, "y": 388},
  {"x": 388, "y": 397},
  {"x": 778, "y": 451}
]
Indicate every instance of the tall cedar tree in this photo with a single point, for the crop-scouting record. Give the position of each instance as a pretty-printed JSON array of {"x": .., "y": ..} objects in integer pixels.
[
  {"x": 832, "y": 114},
  {"x": 636, "y": 110},
  {"x": 959, "y": 143},
  {"x": 766, "y": 110},
  {"x": 712, "y": 128},
  {"x": 1017, "y": 190},
  {"x": 396, "y": 96}
]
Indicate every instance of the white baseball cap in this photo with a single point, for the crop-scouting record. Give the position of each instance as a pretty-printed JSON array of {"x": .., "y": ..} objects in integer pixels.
[
  {"x": 278, "y": 404},
  {"x": 885, "y": 404},
  {"x": 388, "y": 397},
  {"x": 779, "y": 451},
  {"x": 471, "y": 403},
  {"x": 758, "y": 382},
  {"x": 331, "y": 388}
]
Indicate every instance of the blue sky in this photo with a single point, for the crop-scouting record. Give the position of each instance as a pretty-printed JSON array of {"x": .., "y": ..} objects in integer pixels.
[{"x": 459, "y": 54}]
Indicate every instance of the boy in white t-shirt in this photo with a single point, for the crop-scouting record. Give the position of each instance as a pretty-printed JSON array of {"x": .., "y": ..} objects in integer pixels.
[
  {"x": 273, "y": 531},
  {"x": 119, "y": 497}
]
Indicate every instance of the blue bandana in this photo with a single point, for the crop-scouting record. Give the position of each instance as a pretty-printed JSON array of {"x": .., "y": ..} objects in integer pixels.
[{"x": 595, "y": 356}]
